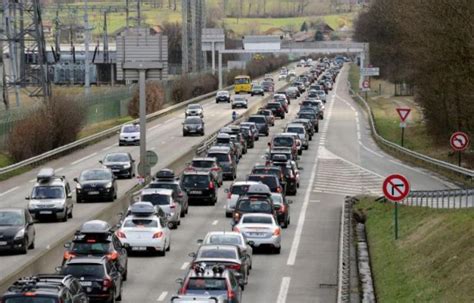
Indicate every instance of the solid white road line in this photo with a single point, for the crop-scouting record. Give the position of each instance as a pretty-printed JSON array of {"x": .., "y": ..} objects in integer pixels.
[
  {"x": 108, "y": 147},
  {"x": 215, "y": 222},
  {"x": 59, "y": 169},
  {"x": 85, "y": 158},
  {"x": 9, "y": 191},
  {"x": 185, "y": 265},
  {"x": 162, "y": 297},
  {"x": 284, "y": 286},
  {"x": 369, "y": 150},
  {"x": 155, "y": 127}
]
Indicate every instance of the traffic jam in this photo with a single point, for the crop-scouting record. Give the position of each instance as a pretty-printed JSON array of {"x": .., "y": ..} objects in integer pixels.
[{"x": 256, "y": 206}]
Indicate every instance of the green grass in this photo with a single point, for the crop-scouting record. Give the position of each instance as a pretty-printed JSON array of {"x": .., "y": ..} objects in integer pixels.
[
  {"x": 101, "y": 126},
  {"x": 431, "y": 262},
  {"x": 5, "y": 160}
]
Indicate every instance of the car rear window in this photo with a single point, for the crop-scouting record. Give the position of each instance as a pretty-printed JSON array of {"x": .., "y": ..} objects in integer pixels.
[
  {"x": 91, "y": 271},
  {"x": 223, "y": 140},
  {"x": 225, "y": 239},
  {"x": 239, "y": 189},
  {"x": 257, "y": 219},
  {"x": 30, "y": 299},
  {"x": 156, "y": 199},
  {"x": 202, "y": 164},
  {"x": 273, "y": 105},
  {"x": 206, "y": 284},
  {"x": 195, "y": 180},
  {"x": 217, "y": 253},
  {"x": 140, "y": 223},
  {"x": 91, "y": 248},
  {"x": 270, "y": 181},
  {"x": 266, "y": 171},
  {"x": 220, "y": 157},
  {"x": 257, "y": 119},
  {"x": 256, "y": 206},
  {"x": 306, "y": 116},
  {"x": 298, "y": 130},
  {"x": 283, "y": 141}
]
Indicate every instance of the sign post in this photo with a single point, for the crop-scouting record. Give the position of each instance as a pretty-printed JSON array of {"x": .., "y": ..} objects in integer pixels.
[
  {"x": 396, "y": 188},
  {"x": 459, "y": 142},
  {"x": 403, "y": 113},
  {"x": 366, "y": 88}
]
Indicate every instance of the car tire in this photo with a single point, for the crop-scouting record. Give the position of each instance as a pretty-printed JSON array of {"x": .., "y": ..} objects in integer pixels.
[
  {"x": 184, "y": 134},
  {"x": 162, "y": 253},
  {"x": 284, "y": 224},
  {"x": 70, "y": 214},
  {"x": 316, "y": 129},
  {"x": 32, "y": 245},
  {"x": 24, "y": 249},
  {"x": 277, "y": 250},
  {"x": 65, "y": 217},
  {"x": 300, "y": 152},
  {"x": 119, "y": 298},
  {"x": 187, "y": 210},
  {"x": 182, "y": 214},
  {"x": 228, "y": 215}
]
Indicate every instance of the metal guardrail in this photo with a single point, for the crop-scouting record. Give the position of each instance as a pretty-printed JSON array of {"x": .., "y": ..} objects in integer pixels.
[
  {"x": 102, "y": 135},
  {"x": 445, "y": 166},
  {"x": 450, "y": 199},
  {"x": 345, "y": 246}
]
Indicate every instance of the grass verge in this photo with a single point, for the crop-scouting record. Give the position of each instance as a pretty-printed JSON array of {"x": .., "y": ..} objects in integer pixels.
[
  {"x": 431, "y": 262},
  {"x": 101, "y": 126},
  {"x": 5, "y": 160}
]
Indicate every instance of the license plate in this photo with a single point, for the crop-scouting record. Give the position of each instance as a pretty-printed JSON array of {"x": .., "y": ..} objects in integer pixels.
[
  {"x": 3, "y": 243},
  {"x": 257, "y": 234},
  {"x": 139, "y": 248},
  {"x": 93, "y": 193},
  {"x": 46, "y": 212},
  {"x": 192, "y": 130},
  {"x": 115, "y": 170},
  {"x": 195, "y": 192},
  {"x": 86, "y": 283}
]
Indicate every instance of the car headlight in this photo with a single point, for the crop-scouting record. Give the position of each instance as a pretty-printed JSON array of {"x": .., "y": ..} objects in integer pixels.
[
  {"x": 108, "y": 185},
  {"x": 126, "y": 165},
  {"x": 20, "y": 234},
  {"x": 78, "y": 186}
]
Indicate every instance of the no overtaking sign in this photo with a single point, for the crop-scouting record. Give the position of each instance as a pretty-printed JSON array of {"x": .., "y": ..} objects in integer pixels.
[{"x": 396, "y": 187}]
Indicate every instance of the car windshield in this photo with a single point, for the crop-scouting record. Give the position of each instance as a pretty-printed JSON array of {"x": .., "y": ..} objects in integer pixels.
[
  {"x": 306, "y": 116},
  {"x": 11, "y": 218},
  {"x": 257, "y": 87},
  {"x": 273, "y": 105},
  {"x": 156, "y": 199},
  {"x": 131, "y": 129},
  {"x": 91, "y": 248},
  {"x": 20, "y": 298},
  {"x": 206, "y": 284},
  {"x": 298, "y": 130},
  {"x": 277, "y": 199},
  {"x": 48, "y": 192},
  {"x": 202, "y": 163},
  {"x": 140, "y": 223},
  {"x": 217, "y": 253},
  {"x": 91, "y": 271},
  {"x": 195, "y": 180},
  {"x": 265, "y": 171},
  {"x": 257, "y": 219},
  {"x": 282, "y": 141},
  {"x": 96, "y": 174},
  {"x": 239, "y": 98},
  {"x": 225, "y": 239},
  {"x": 192, "y": 120},
  {"x": 256, "y": 206},
  {"x": 257, "y": 119},
  {"x": 117, "y": 158},
  {"x": 220, "y": 157},
  {"x": 223, "y": 93},
  {"x": 239, "y": 189},
  {"x": 194, "y": 106}
]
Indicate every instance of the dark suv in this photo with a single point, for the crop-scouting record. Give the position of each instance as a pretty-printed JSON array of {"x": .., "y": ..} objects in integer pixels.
[
  {"x": 98, "y": 275},
  {"x": 270, "y": 180},
  {"x": 45, "y": 288},
  {"x": 261, "y": 122},
  {"x": 166, "y": 179},
  {"x": 277, "y": 171},
  {"x": 96, "y": 238},
  {"x": 257, "y": 199},
  {"x": 200, "y": 186},
  {"x": 226, "y": 161},
  {"x": 276, "y": 108}
]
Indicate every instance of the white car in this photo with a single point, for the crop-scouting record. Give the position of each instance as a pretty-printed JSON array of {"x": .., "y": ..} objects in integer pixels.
[
  {"x": 141, "y": 232},
  {"x": 233, "y": 194},
  {"x": 129, "y": 134},
  {"x": 194, "y": 110},
  {"x": 239, "y": 101},
  {"x": 261, "y": 230}
]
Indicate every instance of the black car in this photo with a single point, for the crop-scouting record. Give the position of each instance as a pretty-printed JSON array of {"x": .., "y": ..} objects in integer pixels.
[
  {"x": 257, "y": 199},
  {"x": 96, "y": 238},
  {"x": 98, "y": 276},
  {"x": 98, "y": 184},
  {"x": 271, "y": 181},
  {"x": 282, "y": 208},
  {"x": 226, "y": 161},
  {"x": 261, "y": 122},
  {"x": 193, "y": 125},
  {"x": 291, "y": 176},
  {"x": 260, "y": 169},
  {"x": 200, "y": 186},
  {"x": 276, "y": 108},
  {"x": 48, "y": 288},
  {"x": 166, "y": 179},
  {"x": 17, "y": 232},
  {"x": 121, "y": 164},
  {"x": 257, "y": 90},
  {"x": 248, "y": 136},
  {"x": 312, "y": 116}
]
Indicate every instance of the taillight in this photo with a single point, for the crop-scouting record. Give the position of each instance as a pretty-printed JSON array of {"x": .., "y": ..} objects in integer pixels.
[
  {"x": 234, "y": 266},
  {"x": 182, "y": 291},
  {"x": 216, "y": 168},
  {"x": 236, "y": 229},
  {"x": 277, "y": 232},
  {"x": 69, "y": 255},
  {"x": 120, "y": 234},
  {"x": 29, "y": 294},
  {"x": 180, "y": 195},
  {"x": 158, "y": 235},
  {"x": 279, "y": 189},
  {"x": 230, "y": 294},
  {"x": 211, "y": 185},
  {"x": 282, "y": 208},
  {"x": 107, "y": 283},
  {"x": 173, "y": 205},
  {"x": 113, "y": 255}
]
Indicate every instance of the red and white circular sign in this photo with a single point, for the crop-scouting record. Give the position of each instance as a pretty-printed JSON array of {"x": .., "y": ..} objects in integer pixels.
[
  {"x": 459, "y": 141},
  {"x": 365, "y": 84},
  {"x": 396, "y": 187}
]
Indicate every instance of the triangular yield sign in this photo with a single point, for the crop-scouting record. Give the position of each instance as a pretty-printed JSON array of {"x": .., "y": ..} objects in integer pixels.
[{"x": 403, "y": 113}]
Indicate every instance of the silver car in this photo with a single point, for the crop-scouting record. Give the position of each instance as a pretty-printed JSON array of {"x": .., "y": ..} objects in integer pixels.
[
  {"x": 194, "y": 110},
  {"x": 239, "y": 102},
  {"x": 230, "y": 238},
  {"x": 233, "y": 194},
  {"x": 261, "y": 230},
  {"x": 300, "y": 130},
  {"x": 164, "y": 199}
]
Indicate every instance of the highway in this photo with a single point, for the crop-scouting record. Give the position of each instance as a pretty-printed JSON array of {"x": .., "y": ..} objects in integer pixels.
[{"x": 342, "y": 160}]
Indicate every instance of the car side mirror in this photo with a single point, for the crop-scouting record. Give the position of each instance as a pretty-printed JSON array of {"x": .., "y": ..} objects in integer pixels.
[
  {"x": 67, "y": 245},
  {"x": 27, "y": 198},
  {"x": 57, "y": 269},
  {"x": 179, "y": 281},
  {"x": 200, "y": 241},
  {"x": 101, "y": 162},
  {"x": 133, "y": 160},
  {"x": 192, "y": 255},
  {"x": 69, "y": 195},
  {"x": 76, "y": 180}
]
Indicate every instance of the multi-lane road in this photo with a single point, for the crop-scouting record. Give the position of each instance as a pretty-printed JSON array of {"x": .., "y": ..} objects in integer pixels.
[{"x": 342, "y": 160}]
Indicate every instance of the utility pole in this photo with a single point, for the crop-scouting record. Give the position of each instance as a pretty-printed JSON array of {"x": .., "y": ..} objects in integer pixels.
[
  {"x": 139, "y": 15},
  {"x": 127, "y": 14},
  {"x": 87, "y": 83}
]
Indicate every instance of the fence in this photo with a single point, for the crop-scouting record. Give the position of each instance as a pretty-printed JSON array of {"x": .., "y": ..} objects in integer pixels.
[{"x": 455, "y": 198}]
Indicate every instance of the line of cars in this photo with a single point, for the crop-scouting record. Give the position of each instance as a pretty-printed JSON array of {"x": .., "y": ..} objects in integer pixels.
[{"x": 96, "y": 258}]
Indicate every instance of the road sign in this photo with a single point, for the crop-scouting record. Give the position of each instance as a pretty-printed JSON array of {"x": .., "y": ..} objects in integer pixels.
[
  {"x": 403, "y": 124},
  {"x": 151, "y": 158},
  {"x": 403, "y": 113},
  {"x": 370, "y": 71},
  {"x": 365, "y": 84},
  {"x": 459, "y": 141},
  {"x": 396, "y": 187}
]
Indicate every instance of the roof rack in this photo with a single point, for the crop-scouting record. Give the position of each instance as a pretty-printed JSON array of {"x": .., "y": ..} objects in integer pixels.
[
  {"x": 142, "y": 209},
  {"x": 165, "y": 174},
  {"x": 46, "y": 175}
]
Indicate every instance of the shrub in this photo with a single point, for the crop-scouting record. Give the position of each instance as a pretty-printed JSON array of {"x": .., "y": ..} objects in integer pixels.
[{"x": 155, "y": 99}]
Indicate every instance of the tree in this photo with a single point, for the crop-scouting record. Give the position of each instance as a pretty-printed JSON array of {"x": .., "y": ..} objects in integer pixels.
[
  {"x": 304, "y": 27},
  {"x": 319, "y": 36}
]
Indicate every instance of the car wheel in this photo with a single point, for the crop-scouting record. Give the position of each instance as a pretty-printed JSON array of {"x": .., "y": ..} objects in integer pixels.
[
  {"x": 70, "y": 214},
  {"x": 184, "y": 134},
  {"x": 228, "y": 215},
  {"x": 32, "y": 245},
  {"x": 112, "y": 300},
  {"x": 119, "y": 298},
  {"x": 300, "y": 152},
  {"x": 284, "y": 224},
  {"x": 78, "y": 200},
  {"x": 125, "y": 275},
  {"x": 316, "y": 129},
  {"x": 187, "y": 210},
  {"x": 24, "y": 248},
  {"x": 182, "y": 214},
  {"x": 162, "y": 253},
  {"x": 65, "y": 217},
  {"x": 277, "y": 250}
]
